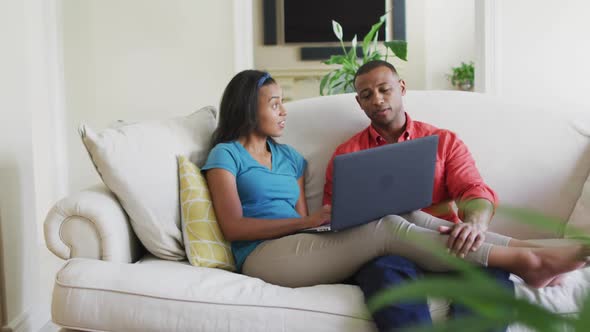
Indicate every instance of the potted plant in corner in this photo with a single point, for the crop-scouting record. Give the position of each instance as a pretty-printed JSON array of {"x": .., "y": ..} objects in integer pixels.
[
  {"x": 340, "y": 80},
  {"x": 463, "y": 76}
]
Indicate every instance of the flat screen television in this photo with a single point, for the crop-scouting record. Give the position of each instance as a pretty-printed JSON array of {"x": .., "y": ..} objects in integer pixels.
[{"x": 310, "y": 21}]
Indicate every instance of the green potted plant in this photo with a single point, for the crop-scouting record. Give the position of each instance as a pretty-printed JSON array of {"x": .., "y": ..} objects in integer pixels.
[
  {"x": 463, "y": 76},
  {"x": 340, "y": 80}
]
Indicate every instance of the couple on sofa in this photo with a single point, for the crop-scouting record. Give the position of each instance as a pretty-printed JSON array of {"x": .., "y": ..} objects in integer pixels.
[{"x": 257, "y": 189}]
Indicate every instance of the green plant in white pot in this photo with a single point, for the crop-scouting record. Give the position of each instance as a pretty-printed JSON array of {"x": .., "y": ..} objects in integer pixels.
[
  {"x": 463, "y": 76},
  {"x": 340, "y": 80}
]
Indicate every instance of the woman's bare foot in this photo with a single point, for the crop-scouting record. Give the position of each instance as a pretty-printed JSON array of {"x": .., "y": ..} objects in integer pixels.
[{"x": 540, "y": 267}]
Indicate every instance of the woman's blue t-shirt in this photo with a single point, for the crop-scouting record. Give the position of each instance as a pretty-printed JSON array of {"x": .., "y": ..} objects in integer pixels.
[{"x": 264, "y": 193}]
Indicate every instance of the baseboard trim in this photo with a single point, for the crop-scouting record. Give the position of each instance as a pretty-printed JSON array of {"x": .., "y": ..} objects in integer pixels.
[
  {"x": 27, "y": 321},
  {"x": 21, "y": 323}
]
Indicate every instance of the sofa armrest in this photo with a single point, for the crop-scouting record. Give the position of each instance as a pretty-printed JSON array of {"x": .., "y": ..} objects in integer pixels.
[{"x": 91, "y": 224}]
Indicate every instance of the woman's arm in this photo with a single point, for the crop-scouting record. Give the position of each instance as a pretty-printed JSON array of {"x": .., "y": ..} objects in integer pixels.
[
  {"x": 236, "y": 227},
  {"x": 301, "y": 206}
]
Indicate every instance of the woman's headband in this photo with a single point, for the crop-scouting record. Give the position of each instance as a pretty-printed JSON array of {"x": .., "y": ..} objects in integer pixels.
[{"x": 263, "y": 79}]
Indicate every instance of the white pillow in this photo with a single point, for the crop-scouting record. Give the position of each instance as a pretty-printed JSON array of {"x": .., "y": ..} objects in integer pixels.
[{"x": 138, "y": 163}]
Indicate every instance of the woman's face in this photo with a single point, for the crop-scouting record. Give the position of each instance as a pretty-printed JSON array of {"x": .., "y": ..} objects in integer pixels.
[{"x": 271, "y": 112}]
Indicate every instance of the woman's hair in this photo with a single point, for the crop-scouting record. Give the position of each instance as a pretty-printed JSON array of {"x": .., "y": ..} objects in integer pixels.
[{"x": 238, "y": 111}]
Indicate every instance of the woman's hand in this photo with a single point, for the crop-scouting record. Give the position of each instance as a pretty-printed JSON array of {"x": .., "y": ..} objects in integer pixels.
[{"x": 319, "y": 217}]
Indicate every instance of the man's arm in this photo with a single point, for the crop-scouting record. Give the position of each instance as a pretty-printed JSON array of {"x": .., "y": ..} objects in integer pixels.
[
  {"x": 327, "y": 199},
  {"x": 478, "y": 212},
  {"x": 470, "y": 234},
  {"x": 476, "y": 201}
]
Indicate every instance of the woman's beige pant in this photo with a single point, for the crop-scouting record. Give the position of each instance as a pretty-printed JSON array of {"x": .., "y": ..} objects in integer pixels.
[{"x": 309, "y": 259}]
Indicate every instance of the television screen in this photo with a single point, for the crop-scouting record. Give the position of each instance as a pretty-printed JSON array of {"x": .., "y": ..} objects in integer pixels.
[{"x": 310, "y": 21}]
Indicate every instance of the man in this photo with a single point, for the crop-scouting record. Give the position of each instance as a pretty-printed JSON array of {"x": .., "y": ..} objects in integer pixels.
[{"x": 457, "y": 180}]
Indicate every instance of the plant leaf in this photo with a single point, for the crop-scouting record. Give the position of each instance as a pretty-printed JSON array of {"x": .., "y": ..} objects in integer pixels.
[
  {"x": 354, "y": 42},
  {"x": 352, "y": 51},
  {"x": 336, "y": 88},
  {"x": 399, "y": 48},
  {"x": 369, "y": 36},
  {"x": 471, "y": 324},
  {"x": 332, "y": 81},
  {"x": 533, "y": 218},
  {"x": 584, "y": 317},
  {"x": 375, "y": 40},
  {"x": 336, "y": 59},
  {"x": 487, "y": 298},
  {"x": 373, "y": 56},
  {"x": 337, "y": 28},
  {"x": 323, "y": 83}
]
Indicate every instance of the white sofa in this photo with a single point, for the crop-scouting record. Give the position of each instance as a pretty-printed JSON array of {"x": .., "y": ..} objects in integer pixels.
[{"x": 533, "y": 158}]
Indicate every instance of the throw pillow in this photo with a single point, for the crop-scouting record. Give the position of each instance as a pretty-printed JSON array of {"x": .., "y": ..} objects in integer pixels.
[
  {"x": 137, "y": 162},
  {"x": 203, "y": 240}
]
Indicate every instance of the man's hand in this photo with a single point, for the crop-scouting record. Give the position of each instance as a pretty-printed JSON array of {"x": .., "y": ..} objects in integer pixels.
[
  {"x": 470, "y": 234},
  {"x": 463, "y": 237}
]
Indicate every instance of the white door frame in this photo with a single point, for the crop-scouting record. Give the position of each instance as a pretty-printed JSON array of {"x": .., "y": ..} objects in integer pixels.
[
  {"x": 488, "y": 55},
  {"x": 243, "y": 35}
]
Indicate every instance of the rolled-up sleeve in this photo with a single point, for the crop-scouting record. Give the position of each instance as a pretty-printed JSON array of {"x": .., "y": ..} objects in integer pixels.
[{"x": 462, "y": 179}]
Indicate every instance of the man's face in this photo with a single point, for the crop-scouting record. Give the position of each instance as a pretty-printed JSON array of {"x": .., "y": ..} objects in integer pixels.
[{"x": 379, "y": 93}]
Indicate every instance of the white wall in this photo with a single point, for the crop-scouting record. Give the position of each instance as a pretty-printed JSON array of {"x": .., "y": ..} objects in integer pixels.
[
  {"x": 136, "y": 59},
  {"x": 440, "y": 35},
  {"x": 133, "y": 60},
  {"x": 449, "y": 39},
  {"x": 23, "y": 88},
  {"x": 49, "y": 145},
  {"x": 544, "y": 48}
]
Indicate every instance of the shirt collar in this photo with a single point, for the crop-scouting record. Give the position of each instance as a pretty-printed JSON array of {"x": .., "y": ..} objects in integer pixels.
[{"x": 377, "y": 139}]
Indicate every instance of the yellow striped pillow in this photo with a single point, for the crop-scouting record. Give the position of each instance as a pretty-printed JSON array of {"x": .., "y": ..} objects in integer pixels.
[{"x": 203, "y": 240}]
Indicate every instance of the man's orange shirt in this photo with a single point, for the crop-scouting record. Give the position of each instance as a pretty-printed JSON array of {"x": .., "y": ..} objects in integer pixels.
[{"x": 456, "y": 177}]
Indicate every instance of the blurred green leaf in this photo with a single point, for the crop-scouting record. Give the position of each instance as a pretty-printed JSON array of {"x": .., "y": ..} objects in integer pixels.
[
  {"x": 583, "y": 322},
  {"x": 530, "y": 217},
  {"x": 471, "y": 324},
  {"x": 493, "y": 304}
]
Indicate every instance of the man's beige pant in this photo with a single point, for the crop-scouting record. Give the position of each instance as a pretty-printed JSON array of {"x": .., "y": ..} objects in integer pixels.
[{"x": 310, "y": 259}]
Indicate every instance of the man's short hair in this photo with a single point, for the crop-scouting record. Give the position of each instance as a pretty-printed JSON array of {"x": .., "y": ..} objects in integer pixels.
[{"x": 367, "y": 67}]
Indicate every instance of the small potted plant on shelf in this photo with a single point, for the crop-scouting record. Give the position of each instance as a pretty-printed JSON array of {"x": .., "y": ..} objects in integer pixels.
[{"x": 463, "y": 76}]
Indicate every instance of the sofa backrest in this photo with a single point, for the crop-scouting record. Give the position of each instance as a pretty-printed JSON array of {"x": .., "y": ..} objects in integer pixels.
[{"x": 534, "y": 158}]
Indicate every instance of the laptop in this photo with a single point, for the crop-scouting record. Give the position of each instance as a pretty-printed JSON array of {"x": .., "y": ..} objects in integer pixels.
[{"x": 390, "y": 179}]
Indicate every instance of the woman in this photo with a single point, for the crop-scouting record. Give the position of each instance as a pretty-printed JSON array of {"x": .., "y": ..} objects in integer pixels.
[{"x": 257, "y": 188}]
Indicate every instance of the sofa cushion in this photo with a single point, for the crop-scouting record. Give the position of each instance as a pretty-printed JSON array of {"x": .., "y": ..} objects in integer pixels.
[
  {"x": 123, "y": 297},
  {"x": 204, "y": 243},
  {"x": 137, "y": 162},
  {"x": 158, "y": 295}
]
